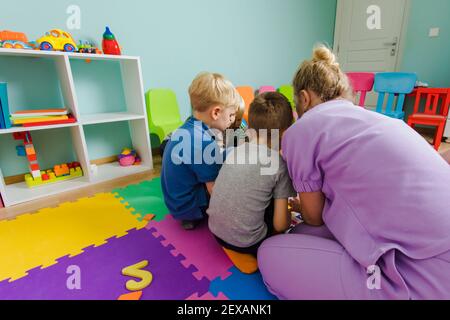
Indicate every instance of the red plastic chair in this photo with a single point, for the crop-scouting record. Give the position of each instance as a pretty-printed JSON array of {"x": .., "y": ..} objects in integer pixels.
[
  {"x": 435, "y": 113},
  {"x": 362, "y": 82}
]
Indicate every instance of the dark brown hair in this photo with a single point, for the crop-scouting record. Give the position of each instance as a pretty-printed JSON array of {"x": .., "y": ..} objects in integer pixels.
[{"x": 270, "y": 110}]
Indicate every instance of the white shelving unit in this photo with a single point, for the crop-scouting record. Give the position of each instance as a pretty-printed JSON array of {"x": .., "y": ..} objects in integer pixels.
[{"x": 134, "y": 114}]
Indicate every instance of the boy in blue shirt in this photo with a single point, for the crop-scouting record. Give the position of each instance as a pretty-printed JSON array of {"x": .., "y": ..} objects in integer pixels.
[{"x": 192, "y": 158}]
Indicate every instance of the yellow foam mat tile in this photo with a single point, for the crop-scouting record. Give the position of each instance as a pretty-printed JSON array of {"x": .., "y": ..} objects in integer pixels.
[{"x": 38, "y": 240}]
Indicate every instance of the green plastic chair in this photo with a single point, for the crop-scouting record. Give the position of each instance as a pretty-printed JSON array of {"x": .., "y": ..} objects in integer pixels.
[
  {"x": 163, "y": 114},
  {"x": 288, "y": 92}
]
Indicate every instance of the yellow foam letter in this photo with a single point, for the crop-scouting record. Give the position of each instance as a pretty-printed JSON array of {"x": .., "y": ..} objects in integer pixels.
[{"x": 136, "y": 271}]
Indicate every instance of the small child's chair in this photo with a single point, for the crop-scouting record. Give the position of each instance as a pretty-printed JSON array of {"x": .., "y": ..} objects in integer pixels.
[
  {"x": 265, "y": 89},
  {"x": 162, "y": 112},
  {"x": 393, "y": 83},
  {"x": 248, "y": 94},
  {"x": 288, "y": 92},
  {"x": 362, "y": 82},
  {"x": 435, "y": 112}
]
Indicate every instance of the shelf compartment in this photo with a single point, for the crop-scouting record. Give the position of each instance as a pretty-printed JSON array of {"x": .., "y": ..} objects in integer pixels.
[
  {"x": 40, "y": 83},
  {"x": 53, "y": 147},
  {"x": 109, "y": 139}
]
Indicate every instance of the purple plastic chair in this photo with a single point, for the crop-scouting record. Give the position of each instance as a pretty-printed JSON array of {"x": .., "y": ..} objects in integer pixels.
[
  {"x": 362, "y": 82},
  {"x": 264, "y": 89}
]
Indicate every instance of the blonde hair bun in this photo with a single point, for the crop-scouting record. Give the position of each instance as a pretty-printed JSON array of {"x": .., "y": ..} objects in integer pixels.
[{"x": 323, "y": 54}]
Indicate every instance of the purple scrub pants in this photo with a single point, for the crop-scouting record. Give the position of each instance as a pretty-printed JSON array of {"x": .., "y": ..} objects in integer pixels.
[{"x": 310, "y": 264}]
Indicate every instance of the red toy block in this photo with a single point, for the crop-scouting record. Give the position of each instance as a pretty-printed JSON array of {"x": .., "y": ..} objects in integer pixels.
[
  {"x": 24, "y": 136},
  {"x": 76, "y": 164},
  {"x": 34, "y": 167},
  {"x": 45, "y": 177},
  {"x": 32, "y": 157}
]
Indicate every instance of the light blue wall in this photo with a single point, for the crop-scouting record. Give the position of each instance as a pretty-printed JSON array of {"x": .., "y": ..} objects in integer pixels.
[
  {"x": 429, "y": 57},
  {"x": 253, "y": 42}
]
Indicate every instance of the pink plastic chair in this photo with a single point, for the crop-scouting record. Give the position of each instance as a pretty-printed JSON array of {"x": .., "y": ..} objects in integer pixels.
[
  {"x": 362, "y": 82},
  {"x": 264, "y": 89}
]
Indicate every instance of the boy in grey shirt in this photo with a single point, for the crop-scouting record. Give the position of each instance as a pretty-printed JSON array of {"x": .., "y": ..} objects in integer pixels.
[{"x": 250, "y": 197}]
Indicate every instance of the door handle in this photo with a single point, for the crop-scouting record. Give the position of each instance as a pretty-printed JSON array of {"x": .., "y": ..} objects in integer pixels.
[{"x": 393, "y": 43}]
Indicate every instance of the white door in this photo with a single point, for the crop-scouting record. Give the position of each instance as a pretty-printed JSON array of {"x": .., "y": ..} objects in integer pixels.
[{"x": 368, "y": 36}]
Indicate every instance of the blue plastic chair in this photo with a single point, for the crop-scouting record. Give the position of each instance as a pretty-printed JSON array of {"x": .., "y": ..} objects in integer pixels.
[{"x": 393, "y": 83}]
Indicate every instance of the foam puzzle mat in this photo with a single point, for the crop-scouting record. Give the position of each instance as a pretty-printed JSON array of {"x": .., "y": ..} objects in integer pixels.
[{"x": 78, "y": 251}]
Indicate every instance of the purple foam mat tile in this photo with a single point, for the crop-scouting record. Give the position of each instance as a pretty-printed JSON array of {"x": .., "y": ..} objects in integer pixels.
[
  {"x": 198, "y": 246},
  {"x": 100, "y": 273}
]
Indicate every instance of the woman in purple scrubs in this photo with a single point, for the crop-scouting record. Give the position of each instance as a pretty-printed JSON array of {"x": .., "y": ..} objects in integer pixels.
[{"x": 375, "y": 197}]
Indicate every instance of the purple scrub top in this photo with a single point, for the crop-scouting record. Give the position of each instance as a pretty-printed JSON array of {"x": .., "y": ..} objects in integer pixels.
[{"x": 386, "y": 188}]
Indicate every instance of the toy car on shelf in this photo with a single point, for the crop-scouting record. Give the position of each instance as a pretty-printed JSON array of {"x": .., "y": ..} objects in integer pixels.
[
  {"x": 58, "y": 40},
  {"x": 86, "y": 46},
  {"x": 14, "y": 40}
]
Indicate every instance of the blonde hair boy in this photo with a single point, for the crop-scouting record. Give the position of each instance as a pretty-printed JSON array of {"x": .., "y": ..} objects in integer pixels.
[{"x": 185, "y": 181}]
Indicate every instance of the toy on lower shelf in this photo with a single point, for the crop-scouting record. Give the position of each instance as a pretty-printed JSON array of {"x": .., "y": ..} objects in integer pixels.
[
  {"x": 59, "y": 173},
  {"x": 36, "y": 177},
  {"x": 129, "y": 157}
]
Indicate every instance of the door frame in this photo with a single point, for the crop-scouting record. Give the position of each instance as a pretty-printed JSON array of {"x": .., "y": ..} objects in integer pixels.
[{"x": 402, "y": 36}]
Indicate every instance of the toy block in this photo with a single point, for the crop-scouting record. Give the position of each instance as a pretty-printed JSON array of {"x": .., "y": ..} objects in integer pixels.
[
  {"x": 19, "y": 135},
  {"x": 21, "y": 151},
  {"x": 94, "y": 169},
  {"x": 36, "y": 174},
  {"x": 30, "y": 149},
  {"x": 34, "y": 166},
  {"x": 32, "y": 158},
  {"x": 61, "y": 170},
  {"x": 52, "y": 178}
]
